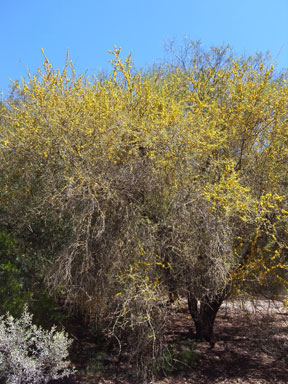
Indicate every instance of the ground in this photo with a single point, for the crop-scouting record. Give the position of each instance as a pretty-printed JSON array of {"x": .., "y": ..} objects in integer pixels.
[{"x": 251, "y": 347}]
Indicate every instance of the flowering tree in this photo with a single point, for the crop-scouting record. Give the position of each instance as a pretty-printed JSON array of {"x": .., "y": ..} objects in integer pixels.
[{"x": 136, "y": 186}]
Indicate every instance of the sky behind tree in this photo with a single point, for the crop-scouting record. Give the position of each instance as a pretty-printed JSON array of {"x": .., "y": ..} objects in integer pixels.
[{"x": 90, "y": 28}]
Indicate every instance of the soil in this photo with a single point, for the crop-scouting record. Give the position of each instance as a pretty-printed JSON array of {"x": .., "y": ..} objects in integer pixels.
[{"x": 251, "y": 347}]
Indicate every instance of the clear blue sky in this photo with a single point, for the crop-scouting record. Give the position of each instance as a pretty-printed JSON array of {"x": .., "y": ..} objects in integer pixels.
[{"x": 89, "y": 28}]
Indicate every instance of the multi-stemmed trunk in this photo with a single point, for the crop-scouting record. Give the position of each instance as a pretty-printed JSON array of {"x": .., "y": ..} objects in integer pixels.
[{"x": 204, "y": 314}]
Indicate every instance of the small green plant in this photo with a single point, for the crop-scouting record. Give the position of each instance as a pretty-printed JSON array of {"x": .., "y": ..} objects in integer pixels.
[
  {"x": 30, "y": 354},
  {"x": 13, "y": 295},
  {"x": 178, "y": 358},
  {"x": 19, "y": 284}
]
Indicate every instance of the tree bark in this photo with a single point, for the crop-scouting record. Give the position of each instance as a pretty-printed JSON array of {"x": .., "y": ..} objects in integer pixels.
[{"x": 204, "y": 315}]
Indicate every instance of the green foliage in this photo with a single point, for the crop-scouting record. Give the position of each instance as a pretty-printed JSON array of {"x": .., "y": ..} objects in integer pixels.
[
  {"x": 12, "y": 292},
  {"x": 19, "y": 285},
  {"x": 12, "y": 296}
]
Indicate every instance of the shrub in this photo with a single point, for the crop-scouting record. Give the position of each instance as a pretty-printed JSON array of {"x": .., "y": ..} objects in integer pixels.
[
  {"x": 21, "y": 283},
  {"x": 30, "y": 354},
  {"x": 13, "y": 290}
]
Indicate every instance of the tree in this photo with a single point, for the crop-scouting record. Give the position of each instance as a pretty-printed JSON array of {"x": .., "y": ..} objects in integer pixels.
[
  {"x": 137, "y": 186},
  {"x": 235, "y": 214}
]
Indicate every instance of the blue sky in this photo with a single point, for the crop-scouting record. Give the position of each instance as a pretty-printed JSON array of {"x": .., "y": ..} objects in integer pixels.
[{"x": 89, "y": 28}]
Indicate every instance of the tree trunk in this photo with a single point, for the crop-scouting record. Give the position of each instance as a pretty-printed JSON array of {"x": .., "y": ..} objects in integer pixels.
[{"x": 204, "y": 315}]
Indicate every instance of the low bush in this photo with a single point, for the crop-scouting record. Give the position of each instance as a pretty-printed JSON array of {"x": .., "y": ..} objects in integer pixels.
[{"x": 30, "y": 354}]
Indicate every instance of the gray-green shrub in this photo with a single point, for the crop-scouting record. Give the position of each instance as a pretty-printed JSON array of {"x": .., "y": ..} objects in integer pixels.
[{"x": 30, "y": 354}]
